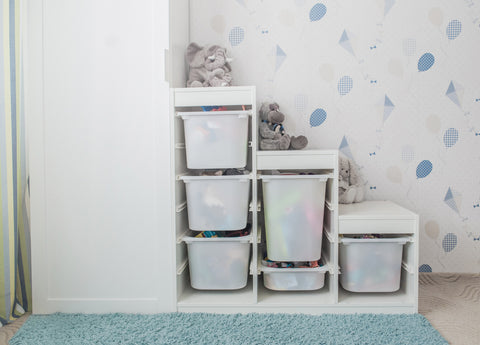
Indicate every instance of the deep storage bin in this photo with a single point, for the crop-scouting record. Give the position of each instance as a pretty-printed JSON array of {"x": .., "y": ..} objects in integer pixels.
[
  {"x": 218, "y": 263},
  {"x": 216, "y": 139},
  {"x": 371, "y": 265},
  {"x": 294, "y": 279},
  {"x": 294, "y": 207},
  {"x": 217, "y": 202}
]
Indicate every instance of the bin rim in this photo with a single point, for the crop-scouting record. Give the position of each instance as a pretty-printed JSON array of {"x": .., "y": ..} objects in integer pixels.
[
  {"x": 322, "y": 177},
  {"x": 185, "y": 114},
  {"x": 399, "y": 240},
  {"x": 222, "y": 177},
  {"x": 242, "y": 239},
  {"x": 267, "y": 269}
]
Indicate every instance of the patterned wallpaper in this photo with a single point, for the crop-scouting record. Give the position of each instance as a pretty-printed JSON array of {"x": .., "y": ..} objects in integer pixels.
[{"x": 393, "y": 84}]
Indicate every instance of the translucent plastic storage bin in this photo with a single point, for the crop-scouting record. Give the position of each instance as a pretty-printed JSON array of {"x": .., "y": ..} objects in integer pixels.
[
  {"x": 216, "y": 139},
  {"x": 218, "y": 263},
  {"x": 294, "y": 279},
  {"x": 294, "y": 206},
  {"x": 371, "y": 265},
  {"x": 217, "y": 202}
]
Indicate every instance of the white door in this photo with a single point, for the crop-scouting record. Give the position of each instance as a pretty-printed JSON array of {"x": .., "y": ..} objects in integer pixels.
[{"x": 98, "y": 136}]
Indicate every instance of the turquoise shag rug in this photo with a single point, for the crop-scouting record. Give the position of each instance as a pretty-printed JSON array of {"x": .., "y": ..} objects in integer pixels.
[{"x": 201, "y": 328}]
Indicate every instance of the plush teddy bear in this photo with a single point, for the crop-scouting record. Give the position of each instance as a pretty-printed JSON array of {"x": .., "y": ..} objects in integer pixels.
[
  {"x": 350, "y": 184},
  {"x": 272, "y": 133},
  {"x": 208, "y": 66}
]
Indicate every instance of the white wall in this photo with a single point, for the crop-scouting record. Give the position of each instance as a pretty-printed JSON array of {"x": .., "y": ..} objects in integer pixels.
[
  {"x": 297, "y": 57},
  {"x": 97, "y": 108}
]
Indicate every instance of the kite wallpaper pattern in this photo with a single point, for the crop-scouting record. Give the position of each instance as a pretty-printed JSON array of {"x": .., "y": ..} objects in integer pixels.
[{"x": 393, "y": 84}]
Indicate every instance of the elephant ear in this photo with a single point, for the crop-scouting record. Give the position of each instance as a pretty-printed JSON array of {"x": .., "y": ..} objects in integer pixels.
[
  {"x": 227, "y": 62},
  {"x": 195, "y": 55},
  {"x": 212, "y": 50}
]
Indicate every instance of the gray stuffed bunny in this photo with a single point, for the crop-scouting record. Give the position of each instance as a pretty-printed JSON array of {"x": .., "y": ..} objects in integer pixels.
[
  {"x": 208, "y": 66},
  {"x": 272, "y": 133},
  {"x": 350, "y": 184}
]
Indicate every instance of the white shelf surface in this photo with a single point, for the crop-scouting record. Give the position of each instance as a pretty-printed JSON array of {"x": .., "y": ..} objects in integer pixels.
[
  {"x": 297, "y": 159},
  {"x": 212, "y": 96},
  {"x": 374, "y": 210},
  {"x": 383, "y": 217},
  {"x": 386, "y": 299},
  {"x": 205, "y": 298},
  {"x": 315, "y": 298}
]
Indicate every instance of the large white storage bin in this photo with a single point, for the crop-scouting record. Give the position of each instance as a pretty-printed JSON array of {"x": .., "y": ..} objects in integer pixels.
[
  {"x": 218, "y": 263},
  {"x": 371, "y": 265},
  {"x": 294, "y": 206},
  {"x": 217, "y": 202},
  {"x": 294, "y": 279},
  {"x": 216, "y": 139}
]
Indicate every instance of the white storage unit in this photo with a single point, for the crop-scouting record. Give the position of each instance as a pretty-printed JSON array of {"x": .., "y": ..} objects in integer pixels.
[
  {"x": 217, "y": 202},
  {"x": 218, "y": 263},
  {"x": 293, "y": 207},
  {"x": 284, "y": 290},
  {"x": 371, "y": 264}
]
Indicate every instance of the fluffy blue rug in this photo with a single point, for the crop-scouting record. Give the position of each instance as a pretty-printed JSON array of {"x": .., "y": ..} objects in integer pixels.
[{"x": 200, "y": 328}]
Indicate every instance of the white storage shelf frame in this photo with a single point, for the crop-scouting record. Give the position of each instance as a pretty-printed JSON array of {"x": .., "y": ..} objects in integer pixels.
[
  {"x": 191, "y": 100},
  {"x": 388, "y": 219},
  {"x": 324, "y": 162},
  {"x": 338, "y": 221}
]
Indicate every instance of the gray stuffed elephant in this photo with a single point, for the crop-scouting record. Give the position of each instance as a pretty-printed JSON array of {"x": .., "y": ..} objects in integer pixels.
[
  {"x": 272, "y": 133},
  {"x": 351, "y": 187},
  {"x": 208, "y": 66}
]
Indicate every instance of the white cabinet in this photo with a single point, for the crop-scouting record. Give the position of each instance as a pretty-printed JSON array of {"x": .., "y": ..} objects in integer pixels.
[
  {"x": 339, "y": 221},
  {"x": 98, "y": 154}
]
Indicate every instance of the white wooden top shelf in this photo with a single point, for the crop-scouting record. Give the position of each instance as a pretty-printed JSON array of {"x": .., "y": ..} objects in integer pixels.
[
  {"x": 374, "y": 210},
  {"x": 211, "y": 96},
  {"x": 376, "y": 217},
  {"x": 293, "y": 159}
]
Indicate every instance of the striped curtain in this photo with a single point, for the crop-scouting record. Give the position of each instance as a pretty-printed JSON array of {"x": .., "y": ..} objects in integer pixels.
[{"x": 15, "y": 286}]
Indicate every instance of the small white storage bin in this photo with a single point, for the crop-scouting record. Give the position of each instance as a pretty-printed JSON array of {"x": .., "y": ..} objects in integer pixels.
[
  {"x": 294, "y": 279},
  {"x": 216, "y": 139},
  {"x": 218, "y": 263},
  {"x": 217, "y": 202},
  {"x": 294, "y": 207},
  {"x": 371, "y": 265}
]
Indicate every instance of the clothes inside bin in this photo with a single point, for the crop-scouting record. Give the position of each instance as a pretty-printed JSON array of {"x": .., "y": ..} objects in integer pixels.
[
  {"x": 213, "y": 234},
  {"x": 291, "y": 264}
]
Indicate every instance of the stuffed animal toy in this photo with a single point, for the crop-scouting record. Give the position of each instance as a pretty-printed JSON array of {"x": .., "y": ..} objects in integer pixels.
[
  {"x": 272, "y": 133},
  {"x": 208, "y": 66},
  {"x": 350, "y": 185}
]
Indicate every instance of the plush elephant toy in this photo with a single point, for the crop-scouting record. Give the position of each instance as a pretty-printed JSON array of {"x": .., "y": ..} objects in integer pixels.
[
  {"x": 208, "y": 66},
  {"x": 350, "y": 184},
  {"x": 272, "y": 133}
]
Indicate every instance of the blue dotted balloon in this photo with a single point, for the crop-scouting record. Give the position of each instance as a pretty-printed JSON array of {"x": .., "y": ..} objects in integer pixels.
[
  {"x": 345, "y": 84},
  {"x": 318, "y": 117},
  {"x": 236, "y": 36},
  {"x": 450, "y": 137},
  {"x": 454, "y": 28},
  {"x": 425, "y": 268},
  {"x": 449, "y": 242},
  {"x": 317, "y": 12},
  {"x": 425, "y": 62},
  {"x": 424, "y": 168}
]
